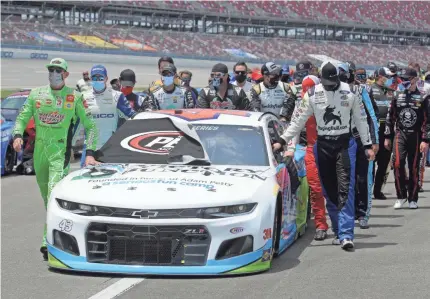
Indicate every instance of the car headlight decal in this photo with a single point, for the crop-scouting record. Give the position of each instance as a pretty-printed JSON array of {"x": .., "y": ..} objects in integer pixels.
[{"x": 227, "y": 211}]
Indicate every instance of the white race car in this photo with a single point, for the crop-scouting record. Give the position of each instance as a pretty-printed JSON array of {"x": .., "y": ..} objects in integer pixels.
[{"x": 181, "y": 192}]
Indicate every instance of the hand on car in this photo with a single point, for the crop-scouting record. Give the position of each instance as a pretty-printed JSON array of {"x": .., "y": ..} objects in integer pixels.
[
  {"x": 276, "y": 146},
  {"x": 17, "y": 145},
  {"x": 91, "y": 161}
]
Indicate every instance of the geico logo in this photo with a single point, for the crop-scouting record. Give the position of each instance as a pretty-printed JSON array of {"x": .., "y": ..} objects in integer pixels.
[
  {"x": 39, "y": 56},
  {"x": 104, "y": 115},
  {"x": 6, "y": 54}
]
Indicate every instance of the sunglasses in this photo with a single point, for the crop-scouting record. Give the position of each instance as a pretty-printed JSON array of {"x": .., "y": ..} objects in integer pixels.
[
  {"x": 361, "y": 76},
  {"x": 218, "y": 75},
  {"x": 240, "y": 72},
  {"x": 97, "y": 78},
  {"x": 55, "y": 69}
]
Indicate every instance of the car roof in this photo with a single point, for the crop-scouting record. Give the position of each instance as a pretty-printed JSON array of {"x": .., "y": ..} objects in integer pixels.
[
  {"x": 210, "y": 116},
  {"x": 19, "y": 94}
]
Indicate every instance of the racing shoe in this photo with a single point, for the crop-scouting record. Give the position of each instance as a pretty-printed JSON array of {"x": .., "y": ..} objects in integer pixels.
[
  {"x": 421, "y": 190},
  {"x": 320, "y": 235},
  {"x": 347, "y": 244},
  {"x": 399, "y": 203},
  {"x": 413, "y": 205},
  {"x": 335, "y": 241},
  {"x": 379, "y": 195},
  {"x": 44, "y": 251},
  {"x": 363, "y": 223}
]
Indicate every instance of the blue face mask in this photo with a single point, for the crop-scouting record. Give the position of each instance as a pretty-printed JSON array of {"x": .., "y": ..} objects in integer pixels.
[
  {"x": 388, "y": 82},
  {"x": 216, "y": 82},
  {"x": 167, "y": 81},
  {"x": 98, "y": 86}
]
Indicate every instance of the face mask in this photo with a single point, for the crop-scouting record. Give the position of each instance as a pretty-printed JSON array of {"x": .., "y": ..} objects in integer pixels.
[
  {"x": 343, "y": 77},
  {"x": 388, "y": 82},
  {"x": 240, "y": 78},
  {"x": 351, "y": 78},
  {"x": 285, "y": 78},
  {"x": 216, "y": 82},
  {"x": 98, "y": 86},
  {"x": 56, "y": 79},
  {"x": 185, "y": 83},
  {"x": 331, "y": 87},
  {"x": 274, "y": 81},
  {"x": 126, "y": 90},
  {"x": 167, "y": 81}
]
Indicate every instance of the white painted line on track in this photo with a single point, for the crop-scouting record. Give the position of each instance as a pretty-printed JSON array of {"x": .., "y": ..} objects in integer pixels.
[{"x": 118, "y": 288}]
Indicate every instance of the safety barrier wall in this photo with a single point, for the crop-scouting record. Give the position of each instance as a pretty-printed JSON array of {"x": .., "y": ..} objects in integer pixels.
[{"x": 121, "y": 56}]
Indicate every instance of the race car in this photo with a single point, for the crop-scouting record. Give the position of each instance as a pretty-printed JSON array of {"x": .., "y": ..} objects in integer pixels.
[
  {"x": 181, "y": 192},
  {"x": 10, "y": 160}
]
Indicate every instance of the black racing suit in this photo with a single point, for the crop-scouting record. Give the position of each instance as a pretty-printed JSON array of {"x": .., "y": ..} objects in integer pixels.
[
  {"x": 408, "y": 123},
  {"x": 234, "y": 99},
  {"x": 382, "y": 99},
  {"x": 136, "y": 102}
]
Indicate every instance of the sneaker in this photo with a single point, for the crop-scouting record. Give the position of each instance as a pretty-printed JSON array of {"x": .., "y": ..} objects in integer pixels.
[
  {"x": 335, "y": 241},
  {"x": 421, "y": 190},
  {"x": 363, "y": 223},
  {"x": 320, "y": 235},
  {"x": 347, "y": 244},
  {"x": 399, "y": 203},
  {"x": 413, "y": 205},
  {"x": 44, "y": 251},
  {"x": 379, "y": 195}
]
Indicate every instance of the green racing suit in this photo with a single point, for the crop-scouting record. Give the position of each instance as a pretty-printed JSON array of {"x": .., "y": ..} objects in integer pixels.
[{"x": 54, "y": 112}]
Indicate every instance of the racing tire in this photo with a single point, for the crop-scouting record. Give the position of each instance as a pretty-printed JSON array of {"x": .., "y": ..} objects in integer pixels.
[
  {"x": 277, "y": 227},
  {"x": 9, "y": 161}
]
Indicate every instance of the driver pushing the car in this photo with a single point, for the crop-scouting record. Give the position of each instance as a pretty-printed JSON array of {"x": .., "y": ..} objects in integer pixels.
[
  {"x": 333, "y": 105},
  {"x": 54, "y": 108}
]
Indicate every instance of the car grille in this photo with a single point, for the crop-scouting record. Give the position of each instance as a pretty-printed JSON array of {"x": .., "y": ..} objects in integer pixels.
[
  {"x": 153, "y": 214},
  {"x": 147, "y": 245}
]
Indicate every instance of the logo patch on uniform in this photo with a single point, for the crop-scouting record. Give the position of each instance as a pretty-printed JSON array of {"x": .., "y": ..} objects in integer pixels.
[
  {"x": 344, "y": 92},
  {"x": 37, "y": 104},
  {"x": 344, "y": 103},
  {"x": 70, "y": 98},
  {"x": 329, "y": 116},
  {"x": 344, "y": 97},
  {"x": 408, "y": 117},
  {"x": 68, "y": 105},
  {"x": 59, "y": 102},
  {"x": 51, "y": 118},
  {"x": 48, "y": 102},
  {"x": 175, "y": 99}
]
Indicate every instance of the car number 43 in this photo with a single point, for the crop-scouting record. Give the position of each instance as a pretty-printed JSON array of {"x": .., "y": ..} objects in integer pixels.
[{"x": 66, "y": 225}]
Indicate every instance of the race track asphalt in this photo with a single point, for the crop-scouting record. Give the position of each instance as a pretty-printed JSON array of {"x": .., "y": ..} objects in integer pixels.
[{"x": 391, "y": 260}]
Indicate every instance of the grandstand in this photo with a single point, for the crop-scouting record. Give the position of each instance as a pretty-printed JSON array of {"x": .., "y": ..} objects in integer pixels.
[{"x": 369, "y": 33}]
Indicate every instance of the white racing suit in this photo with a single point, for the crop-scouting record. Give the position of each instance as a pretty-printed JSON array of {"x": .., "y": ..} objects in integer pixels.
[
  {"x": 160, "y": 99},
  {"x": 106, "y": 108},
  {"x": 335, "y": 149}
]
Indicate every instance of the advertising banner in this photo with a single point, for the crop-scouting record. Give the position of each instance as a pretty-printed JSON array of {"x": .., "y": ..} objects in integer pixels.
[
  {"x": 240, "y": 53},
  {"x": 132, "y": 44},
  {"x": 50, "y": 38},
  {"x": 93, "y": 41}
]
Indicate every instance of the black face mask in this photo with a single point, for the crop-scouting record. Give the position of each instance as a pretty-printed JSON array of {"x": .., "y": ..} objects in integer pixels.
[
  {"x": 351, "y": 78},
  {"x": 273, "y": 81},
  {"x": 343, "y": 77},
  {"x": 240, "y": 78},
  {"x": 331, "y": 87},
  {"x": 285, "y": 78}
]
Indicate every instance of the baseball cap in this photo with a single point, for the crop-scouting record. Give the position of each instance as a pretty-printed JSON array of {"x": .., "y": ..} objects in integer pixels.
[
  {"x": 309, "y": 81},
  {"x": 385, "y": 72},
  {"x": 392, "y": 67},
  {"x": 344, "y": 66},
  {"x": 58, "y": 62},
  {"x": 169, "y": 68},
  {"x": 285, "y": 70},
  {"x": 408, "y": 72},
  {"x": 270, "y": 68},
  {"x": 127, "y": 78},
  {"x": 98, "y": 69},
  {"x": 304, "y": 65},
  {"x": 165, "y": 58},
  {"x": 329, "y": 74},
  {"x": 220, "y": 68}
]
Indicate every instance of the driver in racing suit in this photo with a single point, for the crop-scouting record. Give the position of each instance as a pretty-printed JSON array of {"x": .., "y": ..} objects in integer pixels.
[
  {"x": 335, "y": 149},
  {"x": 363, "y": 167},
  {"x": 54, "y": 108},
  {"x": 168, "y": 95},
  {"x": 105, "y": 105},
  {"x": 408, "y": 114}
]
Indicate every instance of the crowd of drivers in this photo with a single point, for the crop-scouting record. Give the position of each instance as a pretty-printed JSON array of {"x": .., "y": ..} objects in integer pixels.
[{"x": 344, "y": 118}]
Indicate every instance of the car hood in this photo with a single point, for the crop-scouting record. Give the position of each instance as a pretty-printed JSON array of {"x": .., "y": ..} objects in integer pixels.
[{"x": 164, "y": 186}]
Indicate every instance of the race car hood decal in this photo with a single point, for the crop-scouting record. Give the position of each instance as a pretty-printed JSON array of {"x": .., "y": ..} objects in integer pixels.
[{"x": 165, "y": 186}]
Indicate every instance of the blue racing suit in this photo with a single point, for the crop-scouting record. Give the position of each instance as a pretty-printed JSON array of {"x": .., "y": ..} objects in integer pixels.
[
  {"x": 364, "y": 167},
  {"x": 106, "y": 108}
]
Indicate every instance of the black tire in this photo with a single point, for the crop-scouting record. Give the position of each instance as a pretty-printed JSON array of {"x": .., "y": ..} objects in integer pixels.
[
  {"x": 277, "y": 226},
  {"x": 9, "y": 161}
]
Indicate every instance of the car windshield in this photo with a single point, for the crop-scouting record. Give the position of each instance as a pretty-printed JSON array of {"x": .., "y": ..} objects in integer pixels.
[
  {"x": 233, "y": 144},
  {"x": 157, "y": 141},
  {"x": 13, "y": 102}
]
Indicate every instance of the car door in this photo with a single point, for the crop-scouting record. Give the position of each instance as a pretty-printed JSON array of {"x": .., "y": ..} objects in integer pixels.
[{"x": 288, "y": 223}]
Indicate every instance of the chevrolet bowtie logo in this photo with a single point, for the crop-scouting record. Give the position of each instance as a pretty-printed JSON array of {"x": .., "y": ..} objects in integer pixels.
[{"x": 144, "y": 214}]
